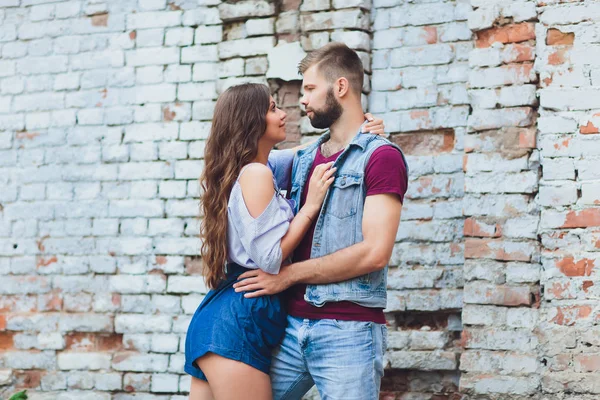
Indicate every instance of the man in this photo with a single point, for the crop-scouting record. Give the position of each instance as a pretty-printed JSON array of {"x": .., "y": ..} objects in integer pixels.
[{"x": 336, "y": 334}]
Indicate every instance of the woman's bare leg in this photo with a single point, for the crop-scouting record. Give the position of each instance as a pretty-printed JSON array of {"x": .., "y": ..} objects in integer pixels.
[
  {"x": 200, "y": 390},
  {"x": 234, "y": 380}
]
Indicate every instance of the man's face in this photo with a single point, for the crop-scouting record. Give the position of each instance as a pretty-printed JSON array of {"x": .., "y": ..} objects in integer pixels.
[{"x": 322, "y": 107}]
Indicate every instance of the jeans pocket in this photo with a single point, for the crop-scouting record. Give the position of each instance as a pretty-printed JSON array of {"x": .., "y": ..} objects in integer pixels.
[{"x": 352, "y": 325}]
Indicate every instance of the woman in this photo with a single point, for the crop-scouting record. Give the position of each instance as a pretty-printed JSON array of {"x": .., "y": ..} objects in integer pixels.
[{"x": 247, "y": 224}]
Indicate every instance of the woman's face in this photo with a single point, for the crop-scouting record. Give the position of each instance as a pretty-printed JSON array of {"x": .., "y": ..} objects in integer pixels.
[{"x": 275, "y": 131}]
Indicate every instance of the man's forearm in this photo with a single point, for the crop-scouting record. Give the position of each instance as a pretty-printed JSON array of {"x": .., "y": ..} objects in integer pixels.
[{"x": 351, "y": 262}]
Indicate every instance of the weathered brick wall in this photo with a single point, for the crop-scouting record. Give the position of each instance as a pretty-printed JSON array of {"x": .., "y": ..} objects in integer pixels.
[
  {"x": 569, "y": 196},
  {"x": 502, "y": 167},
  {"x": 419, "y": 86},
  {"x": 104, "y": 109}
]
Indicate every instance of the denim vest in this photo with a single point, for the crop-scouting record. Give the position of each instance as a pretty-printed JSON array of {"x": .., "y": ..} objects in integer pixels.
[{"x": 339, "y": 224}]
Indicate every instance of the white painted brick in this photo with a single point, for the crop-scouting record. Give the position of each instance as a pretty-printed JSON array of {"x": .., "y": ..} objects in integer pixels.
[
  {"x": 388, "y": 39},
  {"x": 165, "y": 383},
  {"x": 194, "y": 130},
  {"x": 590, "y": 193},
  {"x": 144, "y": 20},
  {"x": 208, "y": 34},
  {"x": 14, "y": 50},
  {"x": 315, "y": 40},
  {"x": 147, "y": 113},
  {"x": 108, "y": 382},
  {"x": 179, "y": 37},
  {"x": 186, "y": 284},
  {"x": 179, "y": 246},
  {"x": 150, "y": 74},
  {"x": 245, "y": 47},
  {"x": 131, "y": 361},
  {"x": 152, "y": 5},
  {"x": 91, "y": 116},
  {"x": 152, "y": 170},
  {"x": 152, "y": 56},
  {"x": 67, "y": 9},
  {"x": 142, "y": 323},
  {"x": 258, "y": 27},
  {"x": 165, "y": 227},
  {"x": 559, "y": 168},
  {"x": 245, "y": 9},
  {"x": 83, "y": 361},
  {"x": 256, "y": 66},
  {"x": 193, "y": 54},
  {"x": 42, "y": 12},
  {"x": 149, "y": 37},
  {"x": 151, "y": 94},
  {"x": 427, "y": 55},
  {"x": 164, "y": 343},
  {"x": 178, "y": 73},
  {"x": 172, "y": 189},
  {"x": 206, "y": 72},
  {"x": 196, "y": 91},
  {"x": 201, "y": 16},
  {"x": 483, "y": 17},
  {"x": 232, "y": 67}
]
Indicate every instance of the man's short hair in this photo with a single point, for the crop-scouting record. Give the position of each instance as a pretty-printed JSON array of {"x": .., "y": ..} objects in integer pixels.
[{"x": 336, "y": 60}]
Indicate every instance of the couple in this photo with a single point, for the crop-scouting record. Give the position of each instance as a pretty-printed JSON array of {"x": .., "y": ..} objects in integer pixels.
[{"x": 327, "y": 245}]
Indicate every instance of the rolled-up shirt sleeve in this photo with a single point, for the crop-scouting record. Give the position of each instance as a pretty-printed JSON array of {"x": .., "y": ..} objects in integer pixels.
[
  {"x": 280, "y": 162},
  {"x": 261, "y": 236}
]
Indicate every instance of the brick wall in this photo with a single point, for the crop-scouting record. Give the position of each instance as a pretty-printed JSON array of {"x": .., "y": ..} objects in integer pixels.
[
  {"x": 419, "y": 86},
  {"x": 104, "y": 110},
  {"x": 569, "y": 196}
]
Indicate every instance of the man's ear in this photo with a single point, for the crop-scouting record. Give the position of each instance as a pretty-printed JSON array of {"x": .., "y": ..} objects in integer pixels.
[{"x": 343, "y": 87}]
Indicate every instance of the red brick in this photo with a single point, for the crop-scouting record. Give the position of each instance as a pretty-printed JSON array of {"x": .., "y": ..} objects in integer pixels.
[
  {"x": 582, "y": 219},
  {"x": 556, "y": 37},
  {"x": 26, "y": 135},
  {"x": 513, "y": 33},
  {"x": 6, "y": 340},
  {"x": 430, "y": 34},
  {"x": 527, "y": 139},
  {"x": 28, "y": 379},
  {"x": 589, "y": 128},
  {"x": 562, "y": 291},
  {"x": 481, "y": 229},
  {"x": 569, "y": 315},
  {"x": 425, "y": 143},
  {"x": 519, "y": 52},
  {"x": 569, "y": 267},
  {"x": 44, "y": 262},
  {"x": 193, "y": 265},
  {"x": 558, "y": 57},
  {"x": 492, "y": 249},
  {"x": 83, "y": 341},
  {"x": 100, "y": 20},
  {"x": 587, "y": 362}
]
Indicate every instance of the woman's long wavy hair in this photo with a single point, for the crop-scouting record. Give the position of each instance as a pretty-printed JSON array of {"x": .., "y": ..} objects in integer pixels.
[{"x": 239, "y": 120}]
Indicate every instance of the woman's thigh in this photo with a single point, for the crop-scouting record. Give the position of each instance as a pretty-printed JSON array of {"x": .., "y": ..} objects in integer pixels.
[
  {"x": 232, "y": 380},
  {"x": 200, "y": 390}
]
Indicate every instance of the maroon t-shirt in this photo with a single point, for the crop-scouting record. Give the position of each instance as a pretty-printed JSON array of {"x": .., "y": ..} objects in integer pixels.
[{"x": 385, "y": 173}]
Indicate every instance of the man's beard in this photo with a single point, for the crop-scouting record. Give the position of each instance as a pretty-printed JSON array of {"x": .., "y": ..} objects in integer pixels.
[{"x": 332, "y": 111}]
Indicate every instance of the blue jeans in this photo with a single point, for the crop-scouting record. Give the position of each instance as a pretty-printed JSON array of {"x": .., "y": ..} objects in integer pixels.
[{"x": 343, "y": 358}]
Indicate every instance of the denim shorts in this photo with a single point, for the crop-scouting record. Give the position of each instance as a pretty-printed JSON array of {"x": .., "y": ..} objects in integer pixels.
[
  {"x": 232, "y": 326},
  {"x": 344, "y": 359}
]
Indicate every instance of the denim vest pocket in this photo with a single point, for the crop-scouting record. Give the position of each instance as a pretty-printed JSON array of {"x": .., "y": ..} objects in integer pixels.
[{"x": 344, "y": 195}]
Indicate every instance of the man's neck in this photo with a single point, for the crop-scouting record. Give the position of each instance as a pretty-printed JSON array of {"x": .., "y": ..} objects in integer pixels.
[{"x": 346, "y": 127}]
